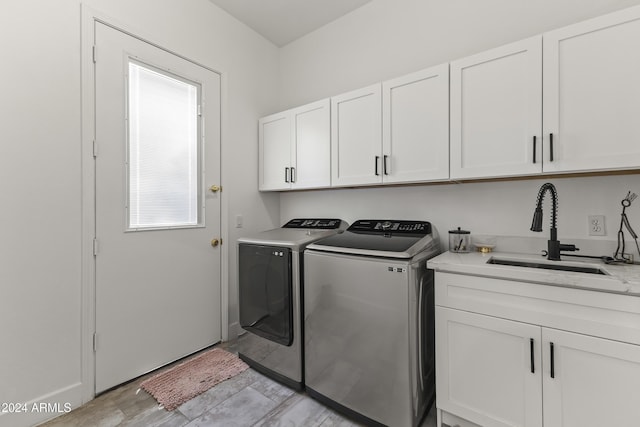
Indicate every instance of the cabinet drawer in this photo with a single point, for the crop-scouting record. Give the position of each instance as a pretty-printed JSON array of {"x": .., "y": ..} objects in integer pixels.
[{"x": 611, "y": 316}]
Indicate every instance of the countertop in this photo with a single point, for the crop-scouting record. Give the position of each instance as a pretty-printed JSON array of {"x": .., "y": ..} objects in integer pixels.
[{"x": 620, "y": 278}]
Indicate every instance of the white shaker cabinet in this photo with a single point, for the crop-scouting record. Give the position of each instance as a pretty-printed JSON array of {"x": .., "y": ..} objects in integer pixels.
[
  {"x": 274, "y": 151},
  {"x": 496, "y": 112},
  {"x": 566, "y": 101},
  {"x": 592, "y": 94},
  {"x": 488, "y": 369},
  {"x": 294, "y": 148},
  {"x": 311, "y": 152},
  {"x": 415, "y": 123},
  {"x": 517, "y": 354},
  {"x": 356, "y": 137},
  {"x": 395, "y": 132},
  {"x": 595, "y": 381}
]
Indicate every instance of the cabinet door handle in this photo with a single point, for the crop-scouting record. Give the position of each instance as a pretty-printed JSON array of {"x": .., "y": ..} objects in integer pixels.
[
  {"x": 286, "y": 174},
  {"x": 533, "y": 368},
  {"x": 292, "y": 174},
  {"x": 534, "y": 149},
  {"x": 384, "y": 164},
  {"x": 376, "y": 165},
  {"x": 553, "y": 367},
  {"x": 551, "y": 147}
]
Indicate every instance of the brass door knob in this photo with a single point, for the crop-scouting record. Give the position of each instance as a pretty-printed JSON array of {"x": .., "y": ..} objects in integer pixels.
[
  {"x": 215, "y": 242},
  {"x": 215, "y": 188}
]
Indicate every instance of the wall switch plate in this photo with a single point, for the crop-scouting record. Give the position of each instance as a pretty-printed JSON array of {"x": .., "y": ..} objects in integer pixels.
[
  {"x": 239, "y": 221},
  {"x": 596, "y": 225}
]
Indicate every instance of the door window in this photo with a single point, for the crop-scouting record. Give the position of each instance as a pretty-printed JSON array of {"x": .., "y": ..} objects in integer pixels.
[{"x": 164, "y": 150}]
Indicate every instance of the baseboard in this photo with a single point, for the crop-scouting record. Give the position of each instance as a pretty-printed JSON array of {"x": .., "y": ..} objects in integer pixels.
[
  {"x": 41, "y": 409},
  {"x": 234, "y": 331}
]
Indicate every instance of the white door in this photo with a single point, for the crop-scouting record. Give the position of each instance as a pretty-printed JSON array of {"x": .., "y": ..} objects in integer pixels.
[
  {"x": 496, "y": 112},
  {"x": 595, "y": 381},
  {"x": 592, "y": 94},
  {"x": 356, "y": 137},
  {"x": 488, "y": 369},
  {"x": 311, "y": 148},
  {"x": 274, "y": 146},
  {"x": 415, "y": 121},
  {"x": 158, "y": 145}
]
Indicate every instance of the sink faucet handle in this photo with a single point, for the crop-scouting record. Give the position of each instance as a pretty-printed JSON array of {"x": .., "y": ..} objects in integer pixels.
[{"x": 568, "y": 247}]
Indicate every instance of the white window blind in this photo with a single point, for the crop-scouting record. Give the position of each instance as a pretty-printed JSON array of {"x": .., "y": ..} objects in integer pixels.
[{"x": 163, "y": 150}]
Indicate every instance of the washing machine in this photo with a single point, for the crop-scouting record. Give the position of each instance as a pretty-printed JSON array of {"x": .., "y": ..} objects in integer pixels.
[
  {"x": 270, "y": 292},
  {"x": 369, "y": 321}
]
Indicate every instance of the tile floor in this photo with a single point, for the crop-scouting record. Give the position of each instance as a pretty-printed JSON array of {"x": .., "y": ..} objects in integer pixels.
[{"x": 248, "y": 399}]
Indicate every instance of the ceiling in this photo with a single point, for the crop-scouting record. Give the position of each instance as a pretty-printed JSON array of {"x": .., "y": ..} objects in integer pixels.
[{"x": 283, "y": 21}]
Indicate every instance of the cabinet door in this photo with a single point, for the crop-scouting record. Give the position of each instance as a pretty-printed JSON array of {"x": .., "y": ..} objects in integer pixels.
[
  {"x": 592, "y": 94},
  {"x": 274, "y": 152},
  {"x": 415, "y": 117},
  {"x": 311, "y": 150},
  {"x": 356, "y": 137},
  {"x": 595, "y": 381},
  {"x": 496, "y": 112},
  {"x": 488, "y": 369}
]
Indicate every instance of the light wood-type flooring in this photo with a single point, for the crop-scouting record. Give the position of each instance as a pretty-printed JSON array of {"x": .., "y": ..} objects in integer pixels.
[{"x": 248, "y": 399}]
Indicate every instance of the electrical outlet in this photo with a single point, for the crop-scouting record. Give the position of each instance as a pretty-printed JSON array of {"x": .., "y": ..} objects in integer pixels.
[{"x": 596, "y": 225}]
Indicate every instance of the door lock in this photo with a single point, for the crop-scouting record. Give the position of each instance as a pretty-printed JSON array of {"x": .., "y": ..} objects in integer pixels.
[
  {"x": 215, "y": 188},
  {"x": 215, "y": 242}
]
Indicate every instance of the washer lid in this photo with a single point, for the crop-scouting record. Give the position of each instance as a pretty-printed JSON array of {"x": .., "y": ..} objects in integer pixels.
[{"x": 383, "y": 238}]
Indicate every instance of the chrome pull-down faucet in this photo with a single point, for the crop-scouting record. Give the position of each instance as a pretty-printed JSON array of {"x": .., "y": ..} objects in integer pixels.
[{"x": 553, "y": 245}]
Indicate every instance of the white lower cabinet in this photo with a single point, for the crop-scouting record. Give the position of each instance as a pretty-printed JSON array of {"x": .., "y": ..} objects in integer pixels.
[
  {"x": 484, "y": 369},
  {"x": 497, "y": 372},
  {"x": 595, "y": 381}
]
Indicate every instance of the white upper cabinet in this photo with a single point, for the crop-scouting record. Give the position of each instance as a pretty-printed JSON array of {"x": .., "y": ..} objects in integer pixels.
[
  {"x": 577, "y": 92},
  {"x": 592, "y": 94},
  {"x": 394, "y": 132},
  {"x": 274, "y": 151},
  {"x": 356, "y": 137},
  {"x": 496, "y": 112},
  {"x": 311, "y": 152},
  {"x": 564, "y": 101},
  {"x": 294, "y": 148},
  {"x": 415, "y": 123}
]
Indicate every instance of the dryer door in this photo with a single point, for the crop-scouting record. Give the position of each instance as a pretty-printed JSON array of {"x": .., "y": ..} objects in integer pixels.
[{"x": 265, "y": 294}]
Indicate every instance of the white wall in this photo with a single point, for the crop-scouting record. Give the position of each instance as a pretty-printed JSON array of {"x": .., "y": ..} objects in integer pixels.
[
  {"x": 41, "y": 171},
  {"x": 503, "y": 208},
  {"x": 389, "y": 38},
  {"x": 386, "y": 39}
]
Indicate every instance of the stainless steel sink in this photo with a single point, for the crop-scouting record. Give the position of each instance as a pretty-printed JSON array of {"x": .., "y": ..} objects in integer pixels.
[{"x": 547, "y": 266}]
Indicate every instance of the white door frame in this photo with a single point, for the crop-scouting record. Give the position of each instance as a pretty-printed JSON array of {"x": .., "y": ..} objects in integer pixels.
[{"x": 89, "y": 17}]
